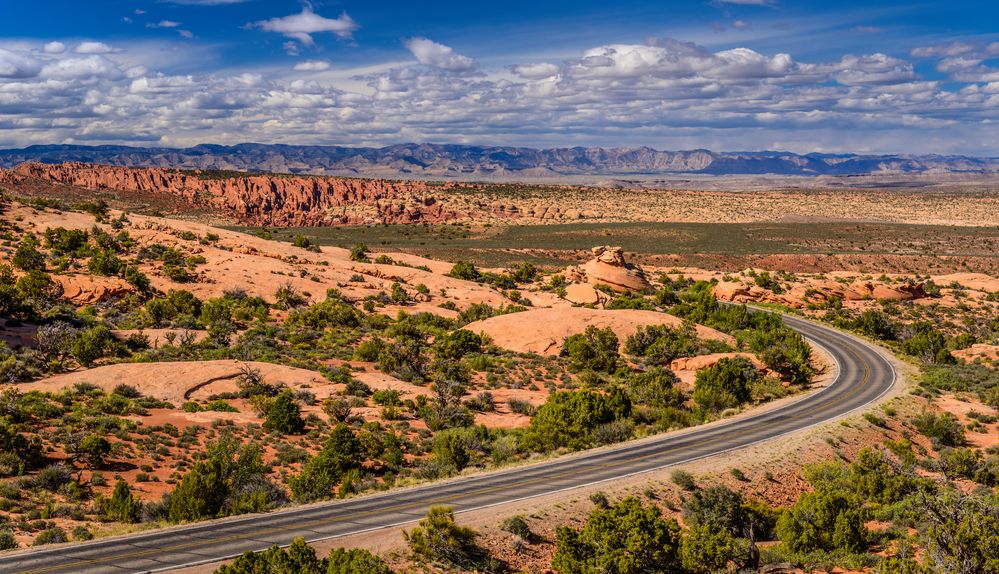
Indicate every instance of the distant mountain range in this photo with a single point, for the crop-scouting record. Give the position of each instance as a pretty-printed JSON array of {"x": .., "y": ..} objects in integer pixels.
[{"x": 469, "y": 162}]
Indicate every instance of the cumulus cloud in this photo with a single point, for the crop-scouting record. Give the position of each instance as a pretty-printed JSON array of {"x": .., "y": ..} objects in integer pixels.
[
  {"x": 303, "y": 25},
  {"x": 963, "y": 62},
  {"x": 430, "y": 53},
  {"x": 312, "y": 66},
  {"x": 664, "y": 92},
  {"x": 535, "y": 71},
  {"x": 14, "y": 65},
  {"x": 93, "y": 48},
  {"x": 54, "y": 48}
]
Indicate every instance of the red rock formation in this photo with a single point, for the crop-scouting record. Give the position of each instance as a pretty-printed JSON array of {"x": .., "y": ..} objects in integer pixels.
[
  {"x": 608, "y": 267},
  {"x": 261, "y": 199}
]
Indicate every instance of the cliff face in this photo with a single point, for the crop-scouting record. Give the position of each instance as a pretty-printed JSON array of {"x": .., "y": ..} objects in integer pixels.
[{"x": 259, "y": 199}]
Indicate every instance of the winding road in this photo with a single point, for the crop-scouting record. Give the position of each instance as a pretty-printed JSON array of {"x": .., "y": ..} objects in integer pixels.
[{"x": 864, "y": 374}]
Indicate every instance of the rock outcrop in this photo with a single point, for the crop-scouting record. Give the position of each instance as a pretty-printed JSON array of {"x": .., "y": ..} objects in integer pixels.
[
  {"x": 584, "y": 294},
  {"x": 818, "y": 292},
  {"x": 260, "y": 199},
  {"x": 608, "y": 267},
  {"x": 84, "y": 289}
]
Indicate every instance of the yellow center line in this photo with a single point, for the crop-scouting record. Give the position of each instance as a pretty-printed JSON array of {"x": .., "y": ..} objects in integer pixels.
[{"x": 457, "y": 496}]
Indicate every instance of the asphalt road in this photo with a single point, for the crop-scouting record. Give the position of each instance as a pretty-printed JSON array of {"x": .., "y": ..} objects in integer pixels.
[{"x": 865, "y": 374}]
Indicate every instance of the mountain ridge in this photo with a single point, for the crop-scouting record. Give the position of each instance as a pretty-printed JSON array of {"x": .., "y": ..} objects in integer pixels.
[{"x": 463, "y": 161}]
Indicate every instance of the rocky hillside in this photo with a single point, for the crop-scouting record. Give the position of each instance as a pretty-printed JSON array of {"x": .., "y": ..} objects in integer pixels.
[
  {"x": 255, "y": 199},
  {"x": 480, "y": 161}
]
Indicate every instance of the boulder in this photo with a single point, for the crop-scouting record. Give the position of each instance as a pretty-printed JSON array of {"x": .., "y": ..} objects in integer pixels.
[
  {"x": 698, "y": 362},
  {"x": 731, "y": 291},
  {"x": 608, "y": 267},
  {"x": 906, "y": 292},
  {"x": 584, "y": 294}
]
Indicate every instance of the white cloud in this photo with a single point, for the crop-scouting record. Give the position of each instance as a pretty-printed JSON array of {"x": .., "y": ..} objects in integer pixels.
[
  {"x": 312, "y": 66},
  {"x": 962, "y": 61},
  {"x": 665, "y": 93},
  {"x": 163, "y": 24},
  {"x": 14, "y": 65},
  {"x": 89, "y": 67},
  {"x": 535, "y": 71},
  {"x": 93, "y": 48},
  {"x": 873, "y": 69},
  {"x": 54, "y": 48},
  {"x": 431, "y": 53},
  {"x": 301, "y": 26}
]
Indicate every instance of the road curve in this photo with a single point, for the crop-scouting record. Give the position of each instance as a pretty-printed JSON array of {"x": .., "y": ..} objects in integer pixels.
[{"x": 865, "y": 374}]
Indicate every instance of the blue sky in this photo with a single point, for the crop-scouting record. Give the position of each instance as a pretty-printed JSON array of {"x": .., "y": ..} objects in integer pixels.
[{"x": 804, "y": 76}]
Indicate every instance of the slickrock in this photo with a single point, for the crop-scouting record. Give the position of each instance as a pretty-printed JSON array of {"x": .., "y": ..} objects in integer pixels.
[
  {"x": 699, "y": 362},
  {"x": 84, "y": 289},
  {"x": 865, "y": 290},
  {"x": 543, "y": 331},
  {"x": 177, "y": 382},
  {"x": 982, "y": 352}
]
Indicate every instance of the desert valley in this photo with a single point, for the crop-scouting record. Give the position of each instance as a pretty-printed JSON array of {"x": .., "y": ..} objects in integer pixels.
[
  {"x": 562, "y": 287},
  {"x": 188, "y": 345}
]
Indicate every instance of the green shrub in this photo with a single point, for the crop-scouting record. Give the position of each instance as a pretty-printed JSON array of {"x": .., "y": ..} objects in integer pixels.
[
  {"x": 725, "y": 384},
  {"x": 438, "y": 538},
  {"x": 355, "y": 561},
  {"x": 517, "y": 526},
  {"x": 655, "y": 388},
  {"x": 7, "y": 540},
  {"x": 104, "y": 262},
  {"x": 322, "y": 474},
  {"x": 683, "y": 479},
  {"x": 53, "y": 535},
  {"x": 122, "y": 506},
  {"x": 944, "y": 428},
  {"x": 68, "y": 241},
  {"x": 229, "y": 480},
  {"x": 465, "y": 270},
  {"x": 299, "y": 557},
  {"x": 284, "y": 415},
  {"x": 359, "y": 253},
  {"x": 594, "y": 349},
  {"x": 626, "y": 538},
  {"x": 27, "y": 257},
  {"x": 826, "y": 519},
  {"x": 457, "y": 344},
  {"x": 567, "y": 419},
  {"x": 660, "y": 344},
  {"x": 705, "y": 550}
]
